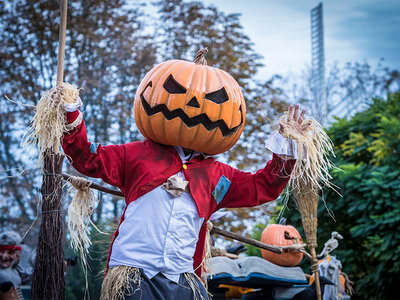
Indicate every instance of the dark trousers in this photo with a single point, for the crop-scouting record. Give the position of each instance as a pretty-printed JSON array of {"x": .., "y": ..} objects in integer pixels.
[{"x": 161, "y": 288}]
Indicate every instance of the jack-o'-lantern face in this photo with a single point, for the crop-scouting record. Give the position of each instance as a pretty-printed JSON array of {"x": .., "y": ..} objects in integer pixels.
[{"x": 190, "y": 105}]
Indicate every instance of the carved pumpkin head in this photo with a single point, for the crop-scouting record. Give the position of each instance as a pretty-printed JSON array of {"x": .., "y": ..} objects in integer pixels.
[
  {"x": 281, "y": 235},
  {"x": 191, "y": 105}
]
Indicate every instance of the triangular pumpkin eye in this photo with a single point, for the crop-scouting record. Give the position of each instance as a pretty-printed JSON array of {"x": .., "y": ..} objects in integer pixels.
[
  {"x": 218, "y": 97},
  {"x": 173, "y": 87}
]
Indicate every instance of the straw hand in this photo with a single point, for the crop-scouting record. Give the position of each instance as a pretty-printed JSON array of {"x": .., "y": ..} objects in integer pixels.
[
  {"x": 67, "y": 95},
  {"x": 294, "y": 122}
]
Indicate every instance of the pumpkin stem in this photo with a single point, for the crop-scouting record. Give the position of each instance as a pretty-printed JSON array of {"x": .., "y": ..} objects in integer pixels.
[{"x": 199, "y": 59}]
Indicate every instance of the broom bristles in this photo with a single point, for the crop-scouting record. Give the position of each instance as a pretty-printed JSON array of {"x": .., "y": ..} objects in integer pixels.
[{"x": 306, "y": 197}]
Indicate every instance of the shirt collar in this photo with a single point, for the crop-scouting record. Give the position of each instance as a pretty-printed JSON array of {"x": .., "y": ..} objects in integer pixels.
[{"x": 186, "y": 158}]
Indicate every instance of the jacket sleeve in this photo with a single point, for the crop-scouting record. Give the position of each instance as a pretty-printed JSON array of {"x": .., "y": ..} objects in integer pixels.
[
  {"x": 247, "y": 189},
  {"x": 105, "y": 162}
]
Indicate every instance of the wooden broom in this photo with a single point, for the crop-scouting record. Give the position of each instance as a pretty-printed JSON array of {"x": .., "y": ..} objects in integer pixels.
[
  {"x": 48, "y": 276},
  {"x": 310, "y": 174},
  {"x": 306, "y": 197}
]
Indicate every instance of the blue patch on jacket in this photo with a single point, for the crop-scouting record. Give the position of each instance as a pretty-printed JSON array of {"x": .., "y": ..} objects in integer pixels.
[
  {"x": 93, "y": 148},
  {"x": 221, "y": 189}
]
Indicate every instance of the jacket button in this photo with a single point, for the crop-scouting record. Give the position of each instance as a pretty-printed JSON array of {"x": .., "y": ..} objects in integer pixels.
[{"x": 184, "y": 166}]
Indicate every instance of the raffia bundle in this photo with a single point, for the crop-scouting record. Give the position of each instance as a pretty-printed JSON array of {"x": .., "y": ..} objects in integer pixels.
[{"x": 80, "y": 211}]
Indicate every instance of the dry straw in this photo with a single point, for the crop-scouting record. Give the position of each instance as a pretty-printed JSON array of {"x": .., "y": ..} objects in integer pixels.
[
  {"x": 311, "y": 170},
  {"x": 313, "y": 149},
  {"x": 80, "y": 211},
  {"x": 310, "y": 174},
  {"x": 118, "y": 283},
  {"x": 194, "y": 283},
  {"x": 47, "y": 128},
  {"x": 49, "y": 123}
]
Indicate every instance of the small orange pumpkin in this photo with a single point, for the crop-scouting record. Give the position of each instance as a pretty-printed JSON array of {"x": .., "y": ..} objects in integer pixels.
[
  {"x": 191, "y": 105},
  {"x": 274, "y": 234}
]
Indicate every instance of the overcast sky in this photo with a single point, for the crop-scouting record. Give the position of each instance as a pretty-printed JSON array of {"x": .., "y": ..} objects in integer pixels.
[{"x": 355, "y": 30}]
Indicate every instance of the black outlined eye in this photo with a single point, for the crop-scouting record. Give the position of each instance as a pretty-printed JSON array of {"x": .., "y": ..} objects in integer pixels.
[
  {"x": 218, "y": 97},
  {"x": 173, "y": 87}
]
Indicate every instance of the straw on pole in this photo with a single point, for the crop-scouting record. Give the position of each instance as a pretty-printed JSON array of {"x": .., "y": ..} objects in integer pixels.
[{"x": 48, "y": 276}]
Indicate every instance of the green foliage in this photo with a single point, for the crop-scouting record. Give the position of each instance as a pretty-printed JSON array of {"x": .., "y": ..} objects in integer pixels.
[
  {"x": 75, "y": 280},
  {"x": 368, "y": 214},
  {"x": 258, "y": 230},
  {"x": 256, "y": 234}
]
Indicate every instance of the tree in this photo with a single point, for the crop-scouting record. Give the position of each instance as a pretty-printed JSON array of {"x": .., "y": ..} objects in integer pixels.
[
  {"x": 107, "y": 54},
  {"x": 187, "y": 26},
  {"x": 368, "y": 214}
]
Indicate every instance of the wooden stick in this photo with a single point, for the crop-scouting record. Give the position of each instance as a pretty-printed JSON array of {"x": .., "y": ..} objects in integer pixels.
[
  {"x": 61, "y": 41},
  {"x": 246, "y": 240},
  {"x": 98, "y": 187},
  {"x": 317, "y": 283}
]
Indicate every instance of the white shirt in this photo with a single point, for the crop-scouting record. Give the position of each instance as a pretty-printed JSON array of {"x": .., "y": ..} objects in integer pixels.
[{"x": 159, "y": 233}]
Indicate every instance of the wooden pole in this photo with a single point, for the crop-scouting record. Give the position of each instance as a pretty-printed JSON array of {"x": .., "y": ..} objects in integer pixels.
[
  {"x": 317, "y": 283},
  {"x": 98, "y": 187},
  {"x": 61, "y": 42},
  {"x": 48, "y": 275},
  {"x": 246, "y": 240}
]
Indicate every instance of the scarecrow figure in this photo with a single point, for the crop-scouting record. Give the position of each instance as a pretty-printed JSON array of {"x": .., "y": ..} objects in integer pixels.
[
  {"x": 16, "y": 265},
  {"x": 172, "y": 184}
]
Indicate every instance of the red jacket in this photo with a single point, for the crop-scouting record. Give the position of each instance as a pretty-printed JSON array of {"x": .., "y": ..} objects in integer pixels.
[{"x": 138, "y": 167}]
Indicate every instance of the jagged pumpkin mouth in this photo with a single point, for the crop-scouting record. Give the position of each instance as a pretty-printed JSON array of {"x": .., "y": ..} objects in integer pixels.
[{"x": 202, "y": 119}]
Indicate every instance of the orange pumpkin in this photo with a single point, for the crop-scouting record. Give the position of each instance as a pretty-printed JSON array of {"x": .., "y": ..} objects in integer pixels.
[
  {"x": 191, "y": 105},
  {"x": 274, "y": 234}
]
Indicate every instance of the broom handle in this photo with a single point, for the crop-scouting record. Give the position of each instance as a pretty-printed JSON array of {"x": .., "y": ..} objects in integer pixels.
[
  {"x": 61, "y": 51},
  {"x": 317, "y": 283},
  {"x": 61, "y": 43}
]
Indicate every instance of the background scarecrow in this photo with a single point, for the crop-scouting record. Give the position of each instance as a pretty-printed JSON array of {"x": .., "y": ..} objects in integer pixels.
[{"x": 16, "y": 265}]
